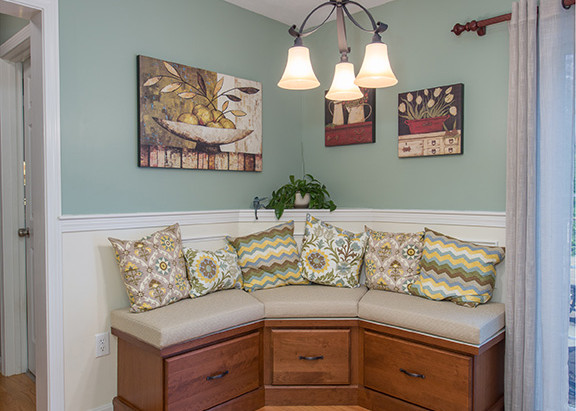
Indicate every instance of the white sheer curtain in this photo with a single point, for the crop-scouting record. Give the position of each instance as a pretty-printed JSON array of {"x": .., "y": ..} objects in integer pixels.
[{"x": 539, "y": 205}]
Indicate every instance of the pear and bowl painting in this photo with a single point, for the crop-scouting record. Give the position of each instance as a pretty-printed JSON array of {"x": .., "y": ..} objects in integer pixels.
[{"x": 197, "y": 119}]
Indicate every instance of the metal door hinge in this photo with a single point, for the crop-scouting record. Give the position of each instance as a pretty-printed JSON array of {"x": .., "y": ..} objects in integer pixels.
[{"x": 24, "y": 232}]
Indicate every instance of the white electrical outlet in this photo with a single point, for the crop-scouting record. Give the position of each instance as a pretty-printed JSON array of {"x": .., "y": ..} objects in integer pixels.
[{"x": 102, "y": 344}]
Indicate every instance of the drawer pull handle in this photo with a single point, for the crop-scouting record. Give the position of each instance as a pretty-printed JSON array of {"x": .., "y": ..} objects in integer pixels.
[
  {"x": 217, "y": 376},
  {"x": 412, "y": 374},
  {"x": 320, "y": 357}
]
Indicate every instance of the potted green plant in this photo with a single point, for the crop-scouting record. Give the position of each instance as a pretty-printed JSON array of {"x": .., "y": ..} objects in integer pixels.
[{"x": 285, "y": 196}]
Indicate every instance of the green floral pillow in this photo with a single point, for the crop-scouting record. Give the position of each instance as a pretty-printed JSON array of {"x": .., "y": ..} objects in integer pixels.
[
  {"x": 210, "y": 271},
  {"x": 330, "y": 255},
  {"x": 153, "y": 269}
]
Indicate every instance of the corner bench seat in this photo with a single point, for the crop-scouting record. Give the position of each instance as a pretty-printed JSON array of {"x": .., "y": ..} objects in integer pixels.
[
  {"x": 310, "y": 345},
  {"x": 189, "y": 318},
  {"x": 310, "y": 301},
  {"x": 438, "y": 318},
  {"x": 192, "y": 318}
]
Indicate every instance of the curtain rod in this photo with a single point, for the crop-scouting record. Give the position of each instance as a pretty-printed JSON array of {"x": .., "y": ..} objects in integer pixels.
[{"x": 480, "y": 26}]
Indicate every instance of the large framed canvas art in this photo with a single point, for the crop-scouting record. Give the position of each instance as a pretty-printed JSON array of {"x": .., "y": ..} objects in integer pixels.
[{"x": 191, "y": 118}]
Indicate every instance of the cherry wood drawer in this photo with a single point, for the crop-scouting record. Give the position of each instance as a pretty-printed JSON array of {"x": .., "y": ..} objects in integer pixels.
[
  {"x": 429, "y": 377},
  {"x": 210, "y": 376},
  {"x": 310, "y": 357}
]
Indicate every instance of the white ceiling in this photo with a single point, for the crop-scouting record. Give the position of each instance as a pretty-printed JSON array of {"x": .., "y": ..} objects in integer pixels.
[{"x": 294, "y": 11}]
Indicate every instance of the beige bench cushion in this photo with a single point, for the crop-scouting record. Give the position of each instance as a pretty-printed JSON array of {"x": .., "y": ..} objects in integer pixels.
[
  {"x": 189, "y": 318},
  {"x": 439, "y": 318},
  {"x": 310, "y": 301}
]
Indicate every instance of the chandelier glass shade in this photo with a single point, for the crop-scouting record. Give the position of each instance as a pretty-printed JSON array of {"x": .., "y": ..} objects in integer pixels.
[
  {"x": 343, "y": 87},
  {"x": 299, "y": 74},
  {"x": 375, "y": 72}
]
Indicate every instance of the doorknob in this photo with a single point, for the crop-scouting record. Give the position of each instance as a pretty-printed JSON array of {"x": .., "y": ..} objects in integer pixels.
[{"x": 24, "y": 232}]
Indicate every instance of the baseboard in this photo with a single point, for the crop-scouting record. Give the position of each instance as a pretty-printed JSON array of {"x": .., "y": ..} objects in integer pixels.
[{"x": 107, "y": 407}]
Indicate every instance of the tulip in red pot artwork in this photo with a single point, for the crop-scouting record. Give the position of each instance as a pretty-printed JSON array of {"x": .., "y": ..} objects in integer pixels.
[{"x": 430, "y": 121}]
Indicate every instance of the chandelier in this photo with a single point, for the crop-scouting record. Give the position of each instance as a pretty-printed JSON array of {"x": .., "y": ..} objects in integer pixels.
[{"x": 374, "y": 73}]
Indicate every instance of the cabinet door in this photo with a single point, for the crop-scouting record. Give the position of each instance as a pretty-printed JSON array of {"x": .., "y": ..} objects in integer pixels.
[
  {"x": 207, "y": 377},
  {"x": 429, "y": 377},
  {"x": 310, "y": 357}
]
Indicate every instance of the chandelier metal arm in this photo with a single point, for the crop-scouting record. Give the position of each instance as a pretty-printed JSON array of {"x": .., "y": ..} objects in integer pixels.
[
  {"x": 294, "y": 32},
  {"x": 372, "y": 21},
  {"x": 377, "y": 27}
]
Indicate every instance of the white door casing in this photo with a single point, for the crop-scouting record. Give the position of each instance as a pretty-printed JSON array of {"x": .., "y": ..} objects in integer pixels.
[{"x": 47, "y": 240}]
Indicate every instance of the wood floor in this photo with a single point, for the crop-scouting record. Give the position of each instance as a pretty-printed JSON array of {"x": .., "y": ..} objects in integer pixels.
[
  {"x": 314, "y": 408},
  {"x": 17, "y": 393}
]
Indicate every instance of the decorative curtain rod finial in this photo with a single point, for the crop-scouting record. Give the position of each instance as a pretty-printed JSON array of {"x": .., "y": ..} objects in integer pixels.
[{"x": 470, "y": 26}]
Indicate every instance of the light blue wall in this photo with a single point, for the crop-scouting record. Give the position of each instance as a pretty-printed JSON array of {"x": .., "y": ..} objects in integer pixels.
[
  {"x": 99, "y": 42},
  {"x": 9, "y": 26},
  {"x": 424, "y": 53}
]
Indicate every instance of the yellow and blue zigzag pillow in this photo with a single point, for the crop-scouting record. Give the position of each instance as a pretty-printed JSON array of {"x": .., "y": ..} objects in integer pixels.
[
  {"x": 269, "y": 258},
  {"x": 455, "y": 270}
]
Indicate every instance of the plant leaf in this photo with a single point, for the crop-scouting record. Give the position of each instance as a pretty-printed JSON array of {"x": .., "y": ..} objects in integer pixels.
[
  {"x": 171, "y": 87},
  {"x": 187, "y": 95},
  {"x": 151, "y": 81},
  {"x": 248, "y": 90},
  {"x": 202, "y": 84},
  {"x": 171, "y": 69},
  {"x": 218, "y": 86},
  {"x": 225, "y": 105},
  {"x": 238, "y": 113},
  {"x": 233, "y": 97}
]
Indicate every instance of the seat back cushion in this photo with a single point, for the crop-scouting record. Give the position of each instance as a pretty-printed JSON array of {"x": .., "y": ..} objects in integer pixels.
[
  {"x": 456, "y": 270},
  {"x": 331, "y": 255},
  {"x": 210, "y": 271},
  {"x": 392, "y": 260},
  {"x": 269, "y": 258},
  {"x": 153, "y": 269}
]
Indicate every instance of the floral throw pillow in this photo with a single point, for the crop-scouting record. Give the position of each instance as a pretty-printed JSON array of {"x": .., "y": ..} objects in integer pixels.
[
  {"x": 210, "y": 271},
  {"x": 269, "y": 258},
  {"x": 392, "y": 260},
  {"x": 456, "y": 270},
  {"x": 153, "y": 269},
  {"x": 331, "y": 255}
]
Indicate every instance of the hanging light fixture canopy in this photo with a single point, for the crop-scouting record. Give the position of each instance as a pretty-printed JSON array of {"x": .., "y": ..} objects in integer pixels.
[{"x": 375, "y": 72}]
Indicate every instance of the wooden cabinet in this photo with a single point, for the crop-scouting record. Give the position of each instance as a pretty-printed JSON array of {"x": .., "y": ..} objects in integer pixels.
[
  {"x": 429, "y": 377},
  {"x": 310, "y": 357},
  {"x": 311, "y": 362},
  {"x": 430, "y": 372},
  {"x": 207, "y": 377},
  {"x": 221, "y": 371}
]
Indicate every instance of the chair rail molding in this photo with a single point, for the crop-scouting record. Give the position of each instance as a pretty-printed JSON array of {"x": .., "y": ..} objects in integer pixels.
[{"x": 102, "y": 222}]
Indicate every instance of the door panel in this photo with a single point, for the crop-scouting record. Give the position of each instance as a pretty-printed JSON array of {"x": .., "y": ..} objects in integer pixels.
[{"x": 29, "y": 218}]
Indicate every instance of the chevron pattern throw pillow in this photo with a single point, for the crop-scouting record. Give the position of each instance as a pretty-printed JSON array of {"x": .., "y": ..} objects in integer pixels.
[
  {"x": 455, "y": 270},
  {"x": 269, "y": 258}
]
